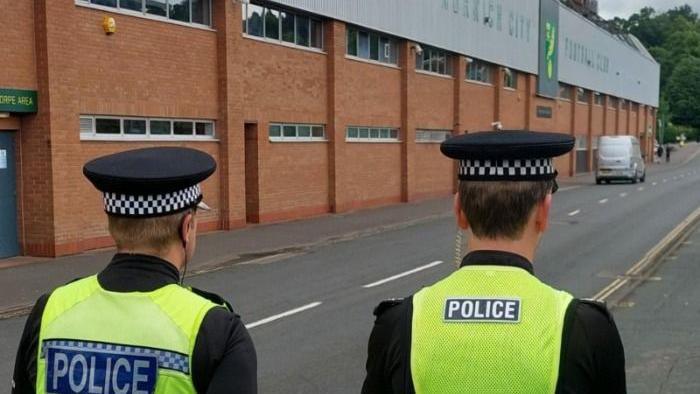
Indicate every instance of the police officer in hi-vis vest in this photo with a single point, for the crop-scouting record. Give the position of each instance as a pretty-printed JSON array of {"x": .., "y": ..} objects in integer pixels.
[
  {"x": 492, "y": 326},
  {"x": 133, "y": 328}
]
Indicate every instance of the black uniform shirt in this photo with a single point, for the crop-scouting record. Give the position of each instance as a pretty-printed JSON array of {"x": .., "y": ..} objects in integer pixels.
[
  {"x": 592, "y": 358},
  {"x": 223, "y": 359}
]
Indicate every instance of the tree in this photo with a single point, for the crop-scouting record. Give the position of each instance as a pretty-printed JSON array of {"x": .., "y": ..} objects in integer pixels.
[{"x": 684, "y": 92}]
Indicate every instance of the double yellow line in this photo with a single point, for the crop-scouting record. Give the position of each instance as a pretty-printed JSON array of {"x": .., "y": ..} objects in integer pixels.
[{"x": 650, "y": 258}]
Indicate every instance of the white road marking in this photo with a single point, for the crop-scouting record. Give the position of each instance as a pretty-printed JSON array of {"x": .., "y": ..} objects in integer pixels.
[
  {"x": 641, "y": 188},
  {"x": 401, "y": 275},
  {"x": 623, "y": 195},
  {"x": 603, "y": 201},
  {"x": 283, "y": 315},
  {"x": 574, "y": 213},
  {"x": 665, "y": 180},
  {"x": 565, "y": 189},
  {"x": 654, "y": 184}
]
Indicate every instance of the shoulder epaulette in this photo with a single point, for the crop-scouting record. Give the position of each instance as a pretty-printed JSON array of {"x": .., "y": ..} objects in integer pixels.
[
  {"x": 386, "y": 305},
  {"x": 213, "y": 297}
]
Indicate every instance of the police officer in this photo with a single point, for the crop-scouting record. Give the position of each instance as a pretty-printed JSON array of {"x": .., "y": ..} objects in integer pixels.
[
  {"x": 492, "y": 326},
  {"x": 133, "y": 328}
]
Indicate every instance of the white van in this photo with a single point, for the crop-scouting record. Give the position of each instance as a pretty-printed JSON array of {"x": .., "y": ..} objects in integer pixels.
[{"x": 619, "y": 158}]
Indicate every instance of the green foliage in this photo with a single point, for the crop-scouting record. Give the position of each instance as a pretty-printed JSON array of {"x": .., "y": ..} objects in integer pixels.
[{"x": 673, "y": 38}]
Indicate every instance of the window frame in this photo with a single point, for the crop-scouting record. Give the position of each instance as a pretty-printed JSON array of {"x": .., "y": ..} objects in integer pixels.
[
  {"x": 280, "y": 33},
  {"x": 479, "y": 66},
  {"x": 122, "y": 136},
  {"x": 370, "y": 130},
  {"x": 581, "y": 91},
  {"x": 435, "y": 58},
  {"x": 447, "y": 133},
  {"x": 565, "y": 88},
  {"x": 296, "y": 138},
  {"x": 512, "y": 75},
  {"x": 598, "y": 96},
  {"x": 143, "y": 14},
  {"x": 382, "y": 41}
]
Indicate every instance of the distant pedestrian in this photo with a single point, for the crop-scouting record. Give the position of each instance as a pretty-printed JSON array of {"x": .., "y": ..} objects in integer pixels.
[
  {"x": 668, "y": 153},
  {"x": 492, "y": 326},
  {"x": 133, "y": 328}
]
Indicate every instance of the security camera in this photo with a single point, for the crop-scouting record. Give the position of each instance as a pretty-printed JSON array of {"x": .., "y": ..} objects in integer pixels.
[
  {"x": 497, "y": 126},
  {"x": 418, "y": 49},
  {"x": 470, "y": 60}
]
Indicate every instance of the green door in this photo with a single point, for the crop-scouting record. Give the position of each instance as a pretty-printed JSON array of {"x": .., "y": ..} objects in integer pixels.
[{"x": 9, "y": 245}]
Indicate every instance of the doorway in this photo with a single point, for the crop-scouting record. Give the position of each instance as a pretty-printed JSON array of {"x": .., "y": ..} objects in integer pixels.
[
  {"x": 9, "y": 244},
  {"x": 252, "y": 185}
]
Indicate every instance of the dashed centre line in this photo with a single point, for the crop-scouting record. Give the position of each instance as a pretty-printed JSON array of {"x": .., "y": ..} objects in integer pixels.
[
  {"x": 654, "y": 184},
  {"x": 623, "y": 195},
  {"x": 403, "y": 274},
  {"x": 283, "y": 315},
  {"x": 574, "y": 213},
  {"x": 641, "y": 188},
  {"x": 603, "y": 201}
]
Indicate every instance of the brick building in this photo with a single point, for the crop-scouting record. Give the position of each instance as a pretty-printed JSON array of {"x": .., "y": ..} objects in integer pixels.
[{"x": 307, "y": 110}]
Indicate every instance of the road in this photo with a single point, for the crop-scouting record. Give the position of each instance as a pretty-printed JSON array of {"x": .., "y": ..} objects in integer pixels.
[{"x": 310, "y": 314}]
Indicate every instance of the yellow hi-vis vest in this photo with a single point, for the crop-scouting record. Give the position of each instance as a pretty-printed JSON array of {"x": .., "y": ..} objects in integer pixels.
[
  {"x": 487, "y": 329},
  {"x": 96, "y": 341}
]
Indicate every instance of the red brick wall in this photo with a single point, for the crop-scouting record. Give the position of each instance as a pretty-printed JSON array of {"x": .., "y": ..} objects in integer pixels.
[
  {"x": 513, "y": 105},
  {"x": 17, "y": 45},
  {"x": 477, "y": 109},
  {"x": 610, "y": 122},
  {"x": 545, "y": 124},
  {"x": 597, "y": 123},
  {"x": 435, "y": 174}
]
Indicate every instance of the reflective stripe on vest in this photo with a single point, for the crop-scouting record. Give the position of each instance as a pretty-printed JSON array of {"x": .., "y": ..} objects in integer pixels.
[
  {"x": 487, "y": 329},
  {"x": 93, "y": 340}
]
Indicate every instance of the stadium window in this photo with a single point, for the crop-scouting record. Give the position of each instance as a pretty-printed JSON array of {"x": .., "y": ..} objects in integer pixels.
[
  {"x": 95, "y": 127},
  {"x": 371, "y": 134},
  {"x": 196, "y": 12},
  {"x": 581, "y": 95},
  {"x": 282, "y": 26},
  {"x": 479, "y": 71},
  {"x": 434, "y": 60},
  {"x": 565, "y": 92},
  {"x": 613, "y": 102},
  {"x": 289, "y": 132},
  {"x": 432, "y": 136},
  {"x": 371, "y": 46},
  {"x": 510, "y": 78},
  {"x": 598, "y": 98}
]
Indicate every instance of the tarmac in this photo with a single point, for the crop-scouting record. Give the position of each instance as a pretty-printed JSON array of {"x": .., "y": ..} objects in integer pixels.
[{"x": 24, "y": 279}]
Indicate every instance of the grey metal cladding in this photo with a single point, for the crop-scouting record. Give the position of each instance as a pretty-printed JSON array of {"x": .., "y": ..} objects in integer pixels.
[
  {"x": 470, "y": 27},
  {"x": 509, "y": 37},
  {"x": 583, "y": 48}
]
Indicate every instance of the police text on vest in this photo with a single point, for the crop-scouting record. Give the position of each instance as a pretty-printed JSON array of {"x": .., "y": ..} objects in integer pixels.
[
  {"x": 478, "y": 310},
  {"x": 90, "y": 371}
]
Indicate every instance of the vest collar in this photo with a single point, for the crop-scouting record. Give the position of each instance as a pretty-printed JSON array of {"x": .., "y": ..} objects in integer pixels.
[
  {"x": 498, "y": 258},
  {"x": 137, "y": 272}
]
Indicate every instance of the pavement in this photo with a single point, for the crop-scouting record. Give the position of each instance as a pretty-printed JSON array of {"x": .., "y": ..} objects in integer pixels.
[
  {"x": 659, "y": 325},
  {"x": 307, "y": 289}
]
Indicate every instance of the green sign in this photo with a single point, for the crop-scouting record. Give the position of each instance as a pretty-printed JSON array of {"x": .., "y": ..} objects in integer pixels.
[
  {"x": 15, "y": 100},
  {"x": 548, "y": 81}
]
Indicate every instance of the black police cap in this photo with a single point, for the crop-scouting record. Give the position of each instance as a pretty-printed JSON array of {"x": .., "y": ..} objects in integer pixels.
[
  {"x": 507, "y": 155},
  {"x": 152, "y": 181}
]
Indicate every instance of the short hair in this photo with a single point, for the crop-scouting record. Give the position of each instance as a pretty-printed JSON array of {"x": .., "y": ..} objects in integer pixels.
[
  {"x": 500, "y": 210},
  {"x": 157, "y": 233}
]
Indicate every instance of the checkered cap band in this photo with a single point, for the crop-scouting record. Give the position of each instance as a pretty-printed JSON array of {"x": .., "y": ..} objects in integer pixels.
[
  {"x": 507, "y": 169},
  {"x": 166, "y": 359},
  {"x": 152, "y": 205}
]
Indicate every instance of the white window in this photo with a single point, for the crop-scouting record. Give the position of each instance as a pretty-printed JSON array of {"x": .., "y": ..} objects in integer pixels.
[
  {"x": 197, "y": 12},
  {"x": 371, "y": 134},
  {"x": 285, "y": 132},
  {"x": 98, "y": 127},
  {"x": 434, "y": 60},
  {"x": 432, "y": 136},
  {"x": 479, "y": 71},
  {"x": 282, "y": 26},
  {"x": 581, "y": 142},
  {"x": 371, "y": 46}
]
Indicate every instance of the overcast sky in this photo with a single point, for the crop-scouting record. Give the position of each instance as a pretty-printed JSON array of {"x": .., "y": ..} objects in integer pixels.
[{"x": 623, "y": 8}]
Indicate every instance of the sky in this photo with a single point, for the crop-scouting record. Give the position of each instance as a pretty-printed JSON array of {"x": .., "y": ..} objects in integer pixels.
[{"x": 624, "y": 8}]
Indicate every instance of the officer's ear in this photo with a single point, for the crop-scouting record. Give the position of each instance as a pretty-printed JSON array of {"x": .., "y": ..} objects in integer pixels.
[
  {"x": 462, "y": 221},
  {"x": 187, "y": 226},
  {"x": 542, "y": 214}
]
